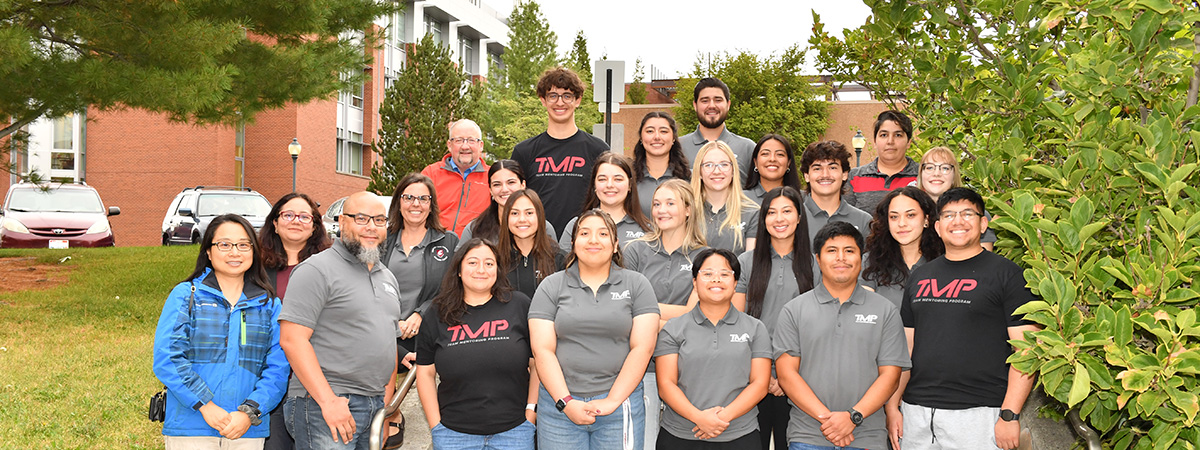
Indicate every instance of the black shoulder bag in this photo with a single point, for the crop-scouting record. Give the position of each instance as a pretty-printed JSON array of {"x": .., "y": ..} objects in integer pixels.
[{"x": 158, "y": 402}]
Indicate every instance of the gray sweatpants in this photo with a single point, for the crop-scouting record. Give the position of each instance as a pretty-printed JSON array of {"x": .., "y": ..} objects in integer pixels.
[{"x": 949, "y": 429}]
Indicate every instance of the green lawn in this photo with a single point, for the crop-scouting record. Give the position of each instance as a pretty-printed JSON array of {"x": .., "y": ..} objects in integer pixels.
[{"x": 75, "y": 359}]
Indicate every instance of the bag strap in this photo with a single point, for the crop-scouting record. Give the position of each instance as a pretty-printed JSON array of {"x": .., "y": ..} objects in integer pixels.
[{"x": 191, "y": 300}]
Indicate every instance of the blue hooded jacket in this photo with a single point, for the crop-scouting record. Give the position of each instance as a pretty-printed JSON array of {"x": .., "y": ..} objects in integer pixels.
[{"x": 218, "y": 353}]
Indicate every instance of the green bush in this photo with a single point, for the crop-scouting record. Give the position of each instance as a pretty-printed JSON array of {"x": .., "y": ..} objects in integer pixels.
[{"x": 1077, "y": 120}]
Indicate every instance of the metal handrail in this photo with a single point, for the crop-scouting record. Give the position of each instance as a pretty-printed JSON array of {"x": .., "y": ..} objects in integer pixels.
[
  {"x": 378, "y": 431},
  {"x": 1090, "y": 437}
]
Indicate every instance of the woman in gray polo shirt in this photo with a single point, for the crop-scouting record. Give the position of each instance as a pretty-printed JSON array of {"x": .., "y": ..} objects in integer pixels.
[
  {"x": 592, "y": 328},
  {"x": 773, "y": 274},
  {"x": 774, "y": 166},
  {"x": 614, "y": 192},
  {"x": 729, "y": 215},
  {"x": 658, "y": 156}
]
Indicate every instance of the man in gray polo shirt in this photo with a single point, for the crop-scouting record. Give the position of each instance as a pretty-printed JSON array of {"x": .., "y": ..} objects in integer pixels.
[
  {"x": 825, "y": 166},
  {"x": 711, "y": 103},
  {"x": 840, "y": 350},
  {"x": 714, "y": 364},
  {"x": 338, "y": 330}
]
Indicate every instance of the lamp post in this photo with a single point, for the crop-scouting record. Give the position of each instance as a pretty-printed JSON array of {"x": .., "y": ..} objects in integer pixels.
[
  {"x": 859, "y": 142},
  {"x": 294, "y": 150}
]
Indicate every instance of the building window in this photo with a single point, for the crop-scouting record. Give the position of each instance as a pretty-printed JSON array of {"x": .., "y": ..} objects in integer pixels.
[
  {"x": 64, "y": 132},
  {"x": 350, "y": 153},
  {"x": 466, "y": 56},
  {"x": 433, "y": 27}
]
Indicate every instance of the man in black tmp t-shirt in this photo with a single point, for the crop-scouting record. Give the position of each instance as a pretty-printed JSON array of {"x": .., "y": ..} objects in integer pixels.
[{"x": 958, "y": 317}]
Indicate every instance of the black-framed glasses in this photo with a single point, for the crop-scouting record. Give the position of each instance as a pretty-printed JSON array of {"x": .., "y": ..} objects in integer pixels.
[
  {"x": 226, "y": 246},
  {"x": 363, "y": 219},
  {"x": 566, "y": 97},
  {"x": 421, "y": 199},
  {"x": 466, "y": 140},
  {"x": 289, "y": 216}
]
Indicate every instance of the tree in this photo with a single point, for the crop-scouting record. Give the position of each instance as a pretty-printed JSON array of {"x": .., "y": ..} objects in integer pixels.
[
  {"x": 1079, "y": 125},
  {"x": 578, "y": 59},
  {"x": 430, "y": 91},
  {"x": 532, "y": 47},
  {"x": 637, "y": 89},
  {"x": 202, "y": 61},
  {"x": 767, "y": 95}
]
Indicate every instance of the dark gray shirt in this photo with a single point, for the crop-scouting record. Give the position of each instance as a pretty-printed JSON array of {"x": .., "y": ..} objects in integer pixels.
[
  {"x": 841, "y": 347},
  {"x": 756, "y": 193},
  {"x": 781, "y": 288},
  {"x": 628, "y": 230},
  {"x": 672, "y": 273},
  {"x": 743, "y": 149},
  {"x": 718, "y": 237},
  {"x": 354, "y": 314},
  {"x": 409, "y": 271},
  {"x": 646, "y": 187},
  {"x": 817, "y": 217},
  {"x": 592, "y": 330},
  {"x": 714, "y": 365}
]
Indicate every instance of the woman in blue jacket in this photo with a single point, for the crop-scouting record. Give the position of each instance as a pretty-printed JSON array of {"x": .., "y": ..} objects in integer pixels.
[{"x": 216, "y": 348}]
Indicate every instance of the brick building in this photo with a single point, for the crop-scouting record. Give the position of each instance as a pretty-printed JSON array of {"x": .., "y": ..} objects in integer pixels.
[{"x": 139, "y": 160}]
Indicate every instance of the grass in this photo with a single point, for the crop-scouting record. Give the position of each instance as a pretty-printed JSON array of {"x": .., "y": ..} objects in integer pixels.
[{"x": 75, "y": 359}]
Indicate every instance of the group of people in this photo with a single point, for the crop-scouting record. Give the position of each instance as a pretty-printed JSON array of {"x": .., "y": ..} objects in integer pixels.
[{"x": 696, "y": 295}]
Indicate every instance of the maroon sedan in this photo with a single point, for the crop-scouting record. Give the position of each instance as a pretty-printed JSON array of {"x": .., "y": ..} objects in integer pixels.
[{"x": 55, "y": 216}]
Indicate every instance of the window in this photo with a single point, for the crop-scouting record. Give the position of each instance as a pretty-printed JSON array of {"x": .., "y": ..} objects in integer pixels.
[
  {"x": 432, "y": 26},
  {"x": 64, "y": 133},
  {"x": 62, "y": 161},
  {"x": 466, "y": 56},
  {"x": 350, "y": 154}
]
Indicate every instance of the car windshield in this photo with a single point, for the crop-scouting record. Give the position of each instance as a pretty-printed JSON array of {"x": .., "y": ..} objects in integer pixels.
[
  {"x": 242, "y": 205},
  {"x": 55, "y": 200}
]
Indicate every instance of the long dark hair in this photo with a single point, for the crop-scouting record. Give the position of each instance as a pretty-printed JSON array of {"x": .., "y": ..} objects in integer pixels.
[
  {"x": 885, "y": 262},
  {"x": 273, "y": 254},
  {"x": 790, "y": 178},
  {"x": 612, "y": 232},
  {"x": 487, "y": 225},
  {"x": 449, "y": 300},
  {"x": 257, "y": 274},
  {"x": 677, "y": 163},
  {"x": 760, "y": 275},
  {"x": 432, "y": 222},
  {"x": 544, "y": 247},
  {"x": 632, "y": 205}
]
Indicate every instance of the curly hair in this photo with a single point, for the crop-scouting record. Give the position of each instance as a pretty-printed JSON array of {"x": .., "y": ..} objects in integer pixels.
[{"x": 884, "y": 262}]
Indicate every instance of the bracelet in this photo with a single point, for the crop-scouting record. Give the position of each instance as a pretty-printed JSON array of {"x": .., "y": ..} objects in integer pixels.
[{"x": 531, "y": 407}]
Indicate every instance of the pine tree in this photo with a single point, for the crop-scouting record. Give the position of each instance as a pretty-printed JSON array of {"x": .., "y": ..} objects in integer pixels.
[
  {"x": 532, "y": 47},
  {"x": 430, "y": 92},
  {"x": 637, "y": 89}
]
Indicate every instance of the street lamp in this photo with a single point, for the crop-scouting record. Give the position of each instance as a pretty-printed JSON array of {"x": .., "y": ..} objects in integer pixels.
[
  {"x": 859, "y": 142},
  {"x": 294, "y": 150}
]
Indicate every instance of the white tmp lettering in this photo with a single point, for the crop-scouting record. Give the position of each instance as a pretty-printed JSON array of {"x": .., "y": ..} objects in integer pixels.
[
  {"x": 744, "y": 337},
  {"x": 623, "y": 295},
  {"x": 865, "y": 318}
]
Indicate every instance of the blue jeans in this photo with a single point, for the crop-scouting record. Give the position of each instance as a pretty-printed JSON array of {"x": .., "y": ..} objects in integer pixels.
[
  {"x": 803, "y": 446},
  {"x": 308, "y": 427},
  {"x": 557, "y": 432},
  {"x": 519, "y": 437}
]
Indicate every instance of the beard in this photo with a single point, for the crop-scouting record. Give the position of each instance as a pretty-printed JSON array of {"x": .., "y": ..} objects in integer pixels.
[
  {"x": 714, "y": 123},
  {"x": 365, "y": 255}
]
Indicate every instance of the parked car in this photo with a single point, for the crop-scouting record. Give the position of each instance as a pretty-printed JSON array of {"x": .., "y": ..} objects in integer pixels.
[
  {"x": 55, "y": 215},
  {"x": 330, "y": 218},
  {"x": 193, "y": 209}
]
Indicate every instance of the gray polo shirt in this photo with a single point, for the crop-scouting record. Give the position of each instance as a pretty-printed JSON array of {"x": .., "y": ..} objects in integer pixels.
[
  {"x": 714, "y": 365},
  {"x": 743, "y": 149},
  {"x": 846, "y": 212},
  {"x": 627, "y": 231},
  {"x": 409, "y": 271},
  {"x": 781, "y": 288},
  {"x": 353, "y": 313},
  {"x": 672, "y": 273},
  {"x": 592, "y": 330},
  {"x": 841, "y": 347},
  {"x": 756, "y": 193},
  {"x": 646, "y": 187},
  {"x": 718, "y": 237}
]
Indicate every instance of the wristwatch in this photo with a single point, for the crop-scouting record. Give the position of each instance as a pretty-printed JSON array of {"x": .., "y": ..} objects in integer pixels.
[
  {"x": 1008, "y": 416},
  {"x": 856, "y": 417},
  {"x": 561, "y": 404},
  {"x": 250, "y": 407}
]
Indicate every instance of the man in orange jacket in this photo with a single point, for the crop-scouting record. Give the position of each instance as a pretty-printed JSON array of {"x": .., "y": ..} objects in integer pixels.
[{"x": 460, "y": 178}]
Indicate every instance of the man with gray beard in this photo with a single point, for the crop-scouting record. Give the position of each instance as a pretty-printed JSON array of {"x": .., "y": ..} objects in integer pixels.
[{"x": 338, "y": 330}]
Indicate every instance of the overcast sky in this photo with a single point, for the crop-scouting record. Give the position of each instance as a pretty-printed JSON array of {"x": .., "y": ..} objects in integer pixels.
[{"x": 669, "y": 34}]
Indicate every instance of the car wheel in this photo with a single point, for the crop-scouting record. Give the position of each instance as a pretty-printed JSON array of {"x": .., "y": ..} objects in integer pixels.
[
  {"x": 166, "y": 240},
  {"x": 195, "y": 238}
]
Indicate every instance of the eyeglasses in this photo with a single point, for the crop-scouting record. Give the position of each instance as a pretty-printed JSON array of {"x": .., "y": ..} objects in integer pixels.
[
  {"x": 711, "y": 275},
  {"x": 363, "y": 219},
  {"x": 711, "y": 166},
  {"x": 566, "y": 97},
  {"x": 226, "y": 246},
  {"x": 293, "y": 217},
  {"x": 943, "y": 168},
  {"x": 965, "y": 214},
  {"x": 467, "y": 140},
  {"x": 421, "y": 199}
]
